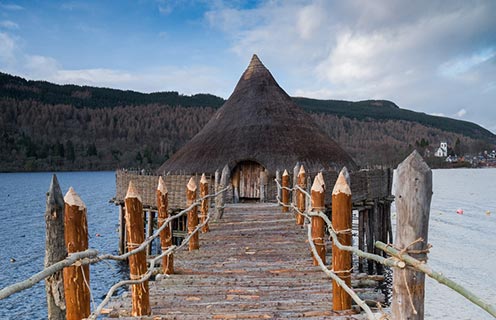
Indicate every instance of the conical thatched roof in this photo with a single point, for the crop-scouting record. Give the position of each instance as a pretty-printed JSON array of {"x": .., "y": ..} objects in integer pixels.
[{"x": 259, "y": 122}]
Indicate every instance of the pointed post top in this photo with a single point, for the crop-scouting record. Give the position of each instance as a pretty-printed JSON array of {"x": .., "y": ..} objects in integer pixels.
[
  {"x": 132, "y": 192},
  {"x": 73, "y": 199},
  {"x": 55, "y": 193},
  {"x": 416, "y": 161},
  {"x": 302, "y": 170},
  {"x": 161, "y": 186},
  {"x": 317, "y": 185},
  {"x": 320, "y": 176},
  {"x": 342, "y": 185},
  {"x": 285, "y": 173},
  {"x": 191, "y": 184},
  {"x": 203, "y": 179}
]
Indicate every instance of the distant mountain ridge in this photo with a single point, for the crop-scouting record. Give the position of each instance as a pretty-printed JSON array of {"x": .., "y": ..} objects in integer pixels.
[
  {"x": 96, "y": 97},
  {"x": 45, "y": 126}
]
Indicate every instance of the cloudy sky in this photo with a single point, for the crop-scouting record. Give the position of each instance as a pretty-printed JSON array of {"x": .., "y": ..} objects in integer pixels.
[{"x": 437, "y": 57}]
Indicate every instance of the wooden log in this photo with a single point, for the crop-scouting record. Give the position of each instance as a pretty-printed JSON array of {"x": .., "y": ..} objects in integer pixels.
[
  {"x": 263, "y": 186},
  {"x": 122, "y": 229},
  {"x": 278, "y": 178},
  {"x": 137, "y": 262},
  {"x": 76, "y": 278},
  {"x": 166, "y": 233},
  {"x": 413, "y": 199},
  {"x": 285, "y": 192},
  {"x": 194, "y": 242},
  {"x": 300, "y": 196},
  {"x": 296, "y": 169},
  {"x": 341, "y": 222},
  {"x": 205, "y": 203},
  {"x": 318, "y": 224},
  {"x": 150, "y": 216},
  {"x": 361, "y": 238},
  {"x": 369, "y": 232},
  {"x": 377, "y": 226},
  {"x": 55, "y": 250},
  {"x": 220, "y": 199},
  {"x": 235, "y": 184}
]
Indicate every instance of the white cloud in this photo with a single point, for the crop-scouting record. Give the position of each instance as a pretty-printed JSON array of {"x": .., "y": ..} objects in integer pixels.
[
  {"x": 461, "y": 113},
  {"x": 8, "y": 49},
  {"x": 10, "y": 7},
  {"x": 7, "y": 24}
]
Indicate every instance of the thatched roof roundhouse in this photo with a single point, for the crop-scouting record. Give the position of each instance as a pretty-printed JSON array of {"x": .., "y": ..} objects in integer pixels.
[{"x": 259, "y": 123}]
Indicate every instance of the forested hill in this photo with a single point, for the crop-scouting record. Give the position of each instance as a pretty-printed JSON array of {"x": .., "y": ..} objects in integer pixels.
[
  {"x": 94, "y": 97},
  {"x": 44, "y": 126}
]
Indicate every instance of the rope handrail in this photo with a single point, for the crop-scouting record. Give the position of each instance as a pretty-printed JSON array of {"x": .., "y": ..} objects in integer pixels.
[
  {"x": 92, "y": 256},
  {"x": 400, "y": 259}
]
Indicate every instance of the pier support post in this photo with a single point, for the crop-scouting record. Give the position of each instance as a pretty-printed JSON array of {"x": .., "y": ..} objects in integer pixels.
[
  {"x": 413, "y": 200},
  {"x": 55, "y": 250},
  {"x": 137, "y": 262},
  {"x": 166, "y": 233},
  {"x": 194, "y": 241},
  {"x": 150, "y": 216},
  {"x": 278, "y": 178},
  {"x": 76, "y": 278},
  {"x": 318, "y": 224},
  {"x": 205, "y": 202},
  {"x": 285, "y": 192},
  {"x": 300, "y": 196},
  {"x": 122, "y": 229},
  {"x": 341, "y": 222}
]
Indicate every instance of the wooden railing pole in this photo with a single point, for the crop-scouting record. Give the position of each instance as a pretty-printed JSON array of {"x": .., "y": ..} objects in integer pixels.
[
  {"x": 278, "y": 178},
  {"x": 413, "y": 199},
  {"x": 166, "y": 234},
  {"x": 341, "y": 222},
  {"x": 137, "y": 262},
  {"x": 285, "y": 192},
  {"x": 76, "y": 278},
  {"x": 318, "y": 224},
  {"x": 55, "y": 250},
  {"x": 296, "y": 169},
  {"x": 300, "y": 196},
  {"x": 194, "y": 242},
  {"x": 205, "y": 203}
]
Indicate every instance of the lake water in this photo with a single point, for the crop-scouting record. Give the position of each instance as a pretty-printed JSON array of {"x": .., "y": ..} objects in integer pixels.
[{"x": 464, "y": 246}]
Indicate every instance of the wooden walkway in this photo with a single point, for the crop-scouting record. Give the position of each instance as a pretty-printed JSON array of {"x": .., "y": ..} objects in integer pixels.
[{"x": 253, "y": 264}]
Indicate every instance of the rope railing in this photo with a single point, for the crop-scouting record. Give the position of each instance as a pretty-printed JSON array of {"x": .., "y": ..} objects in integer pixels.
[
  {"x": 92, "y": 256},
  {"x": 399, "y": 258}
]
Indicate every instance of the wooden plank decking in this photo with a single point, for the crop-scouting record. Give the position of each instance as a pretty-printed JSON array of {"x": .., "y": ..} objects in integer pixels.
[{"x": 254, "y": 263}]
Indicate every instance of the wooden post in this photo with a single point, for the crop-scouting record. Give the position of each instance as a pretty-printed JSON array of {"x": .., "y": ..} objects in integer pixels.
[
  {"x": 263, "y": 186},
  {"x": 285, "y": 192},
  {"x": 194, "y": 241},
  {"x": 137, "y": 262},
  {"x": 278, "y": 178},
  {"x": 55, "y": 250},
  {"x": 122, "y": 229},
  {"x": 204, "y": 203},
  {"x": 166, "y": 234},
  {"x": 300, "y": 196},
  {"x": 235, "y": 183},
  {"x": 318, "y": 224},
  {"x": 150, "y": 216},
  {"x": 296, "y": 169},
  {"x": 413, "y": 200},
  {"x": 76, "y": 278},
  {"x": 361, "y": 240},
  {"x": 341, "y": 222},
  {"x": 220, "y": 199}
]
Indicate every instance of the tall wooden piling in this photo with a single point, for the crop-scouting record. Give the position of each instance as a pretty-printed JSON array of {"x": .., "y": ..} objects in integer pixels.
[
  {"x": 318, "y": 224},
  {"x": 341, "y": 222},
  {"x": 166, "y": 233},
  {"x": 76, "y": 278},
  {"x": 278, "y": 179},
  {"x": 220, "y": 199},
  {"x": 300, "y": 196},
  {"x": 204, "y": 203},
  {"x": 413, "y": 199},
  {"x": 194, "y": 241},
  {"x": 55, "y": 250},
  {"x": 137, "y": 262},
  {"x": 285, "y": 192},
  {"x": 296, "y": 169},
  {"x": 150, "y": 216},
  {"x": 122, "y": 229}
]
